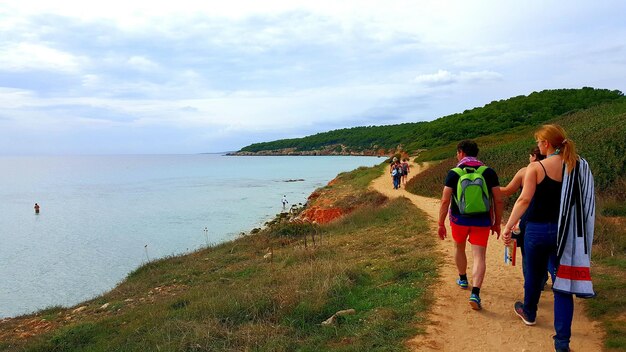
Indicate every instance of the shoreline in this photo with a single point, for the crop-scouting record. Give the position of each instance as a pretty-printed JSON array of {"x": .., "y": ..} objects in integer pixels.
[
  {"x": 118, "y": 236},
  {"x": 287, "y": 214}
]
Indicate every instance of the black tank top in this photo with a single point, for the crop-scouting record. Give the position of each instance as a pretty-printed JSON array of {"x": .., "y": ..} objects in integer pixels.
[{"x": 546, "y": 202}]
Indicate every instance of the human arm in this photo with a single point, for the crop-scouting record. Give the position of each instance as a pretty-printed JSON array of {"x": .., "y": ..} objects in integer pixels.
[
  {"x": 498, "y": 206},
  {"x": 446, "y": 196},
  {"x": 521, "y": 205},
  {"x": 515, "y": 183}
]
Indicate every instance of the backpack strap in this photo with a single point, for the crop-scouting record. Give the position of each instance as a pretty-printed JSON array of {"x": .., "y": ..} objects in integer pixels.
[
  {"x": 481, "y": 169},
  {"x": 459, "y": 171}
]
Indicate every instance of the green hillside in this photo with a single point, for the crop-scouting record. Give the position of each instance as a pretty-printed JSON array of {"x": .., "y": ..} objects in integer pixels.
[
  {"x": 599, "y": 134},
  {"x": 497, "y": 116}
]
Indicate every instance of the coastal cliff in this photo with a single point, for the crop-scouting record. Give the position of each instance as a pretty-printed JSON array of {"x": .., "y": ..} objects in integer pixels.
[{"x": 335, "y": 149}]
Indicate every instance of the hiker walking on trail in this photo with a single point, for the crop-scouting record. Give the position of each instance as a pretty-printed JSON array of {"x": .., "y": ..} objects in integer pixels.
[
  {"x": 471, "y": 196},
  {"x": 405, "y": 170},
  {"x": 396, "y": 172},
  {"x": 558, "y": 195},
  {"x": 398, "y": 176}
]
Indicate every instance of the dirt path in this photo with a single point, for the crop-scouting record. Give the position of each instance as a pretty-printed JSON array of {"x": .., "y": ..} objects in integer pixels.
[{"x": 456, "y": 327}]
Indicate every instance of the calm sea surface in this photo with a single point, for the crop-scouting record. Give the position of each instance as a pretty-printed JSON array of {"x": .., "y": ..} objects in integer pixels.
[{"x": 103, "y": 216}]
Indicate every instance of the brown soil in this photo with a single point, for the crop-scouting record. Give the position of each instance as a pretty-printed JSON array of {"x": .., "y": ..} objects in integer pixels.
[{"x": 454, "y": 326}]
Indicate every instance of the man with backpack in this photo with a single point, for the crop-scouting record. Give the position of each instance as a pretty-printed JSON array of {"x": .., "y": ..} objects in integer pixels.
[
  {"x": 472, "y": 197},
  {"x": 405, "y": 170}
]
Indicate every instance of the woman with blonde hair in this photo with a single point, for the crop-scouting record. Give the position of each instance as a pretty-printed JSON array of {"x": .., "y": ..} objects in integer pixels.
[{"x": 559, "y": 227}]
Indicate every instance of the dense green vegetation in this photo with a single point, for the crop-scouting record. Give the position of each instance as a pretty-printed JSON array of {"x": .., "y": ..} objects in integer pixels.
[
  {"x": 600, "y": 137},
  {"x": 495, "y": 117},
  {"x": 599, "y": 134}
]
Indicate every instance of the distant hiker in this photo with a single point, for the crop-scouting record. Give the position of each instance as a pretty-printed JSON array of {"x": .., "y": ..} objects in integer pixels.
[
  {"x": 396, "y": 173},
  {"x": 284, "y": 201},
  {"x": 392, "y": 164},
  {"x": 36, "y": 208},
  {"x": 472, "y": 197},
  {"x": 558, "y": 195},
  {"x": 393, "y": 171},
  {"x": 405, "y": 170},
  {"x": 516, "y": 184}
]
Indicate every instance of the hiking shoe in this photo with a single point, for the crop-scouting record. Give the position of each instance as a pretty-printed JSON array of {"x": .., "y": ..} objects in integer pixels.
[
  {"x": 562, "y": 350},
  {"x": 519, "y": 310},
  {"x": 474, "y": 301},
  {"x": 462, "y": 283}
]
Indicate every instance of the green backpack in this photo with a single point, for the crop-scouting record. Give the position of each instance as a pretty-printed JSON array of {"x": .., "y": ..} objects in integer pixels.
[{"x": 472, "y": 195}]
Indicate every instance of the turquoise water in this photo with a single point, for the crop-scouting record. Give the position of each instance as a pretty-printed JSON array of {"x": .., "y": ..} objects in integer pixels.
[{"x": 103, "y": 216}]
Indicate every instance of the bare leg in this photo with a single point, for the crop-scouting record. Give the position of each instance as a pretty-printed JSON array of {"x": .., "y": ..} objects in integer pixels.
[
  {"x": 479, "y": 267},
  {"x": 460, "y": 258}
]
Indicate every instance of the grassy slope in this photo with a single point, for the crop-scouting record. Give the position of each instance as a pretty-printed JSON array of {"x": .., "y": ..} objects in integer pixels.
[
  {"x": 229, "y": 298},
  {"x": 600, "y": 136}
]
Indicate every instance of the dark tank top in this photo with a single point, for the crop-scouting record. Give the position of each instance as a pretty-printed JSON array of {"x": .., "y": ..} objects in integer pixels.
[{"x": 546, "y": 202}]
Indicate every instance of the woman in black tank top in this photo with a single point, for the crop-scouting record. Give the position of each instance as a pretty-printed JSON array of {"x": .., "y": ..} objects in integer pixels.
[
  {"x": 542, "y": 185},
  {"x": 546, "y": 201}
]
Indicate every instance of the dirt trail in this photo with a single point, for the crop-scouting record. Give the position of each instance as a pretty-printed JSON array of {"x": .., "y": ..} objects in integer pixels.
[{"x": 456, "y": 327}]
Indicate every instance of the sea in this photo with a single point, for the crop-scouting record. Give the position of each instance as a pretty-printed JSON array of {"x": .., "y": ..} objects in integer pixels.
[{"x": 101, "y": 217}]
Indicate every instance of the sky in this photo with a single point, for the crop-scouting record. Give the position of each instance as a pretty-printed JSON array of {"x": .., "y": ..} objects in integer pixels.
[{"x": 178, "y": 77}]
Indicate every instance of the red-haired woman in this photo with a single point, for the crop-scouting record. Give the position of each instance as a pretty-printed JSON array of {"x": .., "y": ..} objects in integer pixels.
[{"x": 563, "y": 205}]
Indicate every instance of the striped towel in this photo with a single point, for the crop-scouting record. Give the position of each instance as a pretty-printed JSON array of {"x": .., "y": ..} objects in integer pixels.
[{"x": 575, "y": 233}]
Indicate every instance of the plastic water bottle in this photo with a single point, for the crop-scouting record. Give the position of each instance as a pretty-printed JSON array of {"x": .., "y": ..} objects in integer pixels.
[{"x": 509, "y": 253}]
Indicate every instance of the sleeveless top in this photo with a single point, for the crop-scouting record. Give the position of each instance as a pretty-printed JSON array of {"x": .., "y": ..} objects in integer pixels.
[{"x": 546, "y": 203}]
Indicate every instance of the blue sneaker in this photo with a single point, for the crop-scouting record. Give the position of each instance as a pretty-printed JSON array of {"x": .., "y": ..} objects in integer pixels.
[
  {"x": 462, "y": 283},
  {"x": 474, "y": 301}
]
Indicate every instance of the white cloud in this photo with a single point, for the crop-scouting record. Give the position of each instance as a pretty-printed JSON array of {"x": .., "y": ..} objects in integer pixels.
[
  {"x": 443, "y": 77},
  {"x": 437, "y": 78},
  {"x": 32, "y": 56},
  {"x": 141, "y": 63},
  {"x": 90, "y": 81}
]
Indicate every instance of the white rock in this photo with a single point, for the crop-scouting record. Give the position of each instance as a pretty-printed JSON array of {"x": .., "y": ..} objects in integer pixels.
[{"x": 79, "y": 309}]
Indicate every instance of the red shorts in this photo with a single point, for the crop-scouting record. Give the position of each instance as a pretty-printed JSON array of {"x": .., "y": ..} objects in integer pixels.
[{"x": 478, "y": 235}]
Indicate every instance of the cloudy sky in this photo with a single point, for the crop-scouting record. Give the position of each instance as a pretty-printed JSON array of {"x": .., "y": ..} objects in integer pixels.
[{"x": 126, "y": 77}]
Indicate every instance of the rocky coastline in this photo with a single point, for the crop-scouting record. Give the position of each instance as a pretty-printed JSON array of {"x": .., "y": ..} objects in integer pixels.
[
  {"x": 290, "y": 152},
  {"x": 339, "y": 150}
]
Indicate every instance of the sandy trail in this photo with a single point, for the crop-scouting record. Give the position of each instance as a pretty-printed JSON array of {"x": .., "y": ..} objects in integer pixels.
[{"x": 454, "y": 326}]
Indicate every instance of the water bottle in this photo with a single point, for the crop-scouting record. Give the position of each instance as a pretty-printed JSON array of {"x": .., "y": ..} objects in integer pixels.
[{"x": 509, "y": 253}]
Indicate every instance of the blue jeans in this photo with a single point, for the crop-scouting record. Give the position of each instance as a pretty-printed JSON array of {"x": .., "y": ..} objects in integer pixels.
[
  {"x": 396, "y": 182},
  {"x": 540, "y": 249}
]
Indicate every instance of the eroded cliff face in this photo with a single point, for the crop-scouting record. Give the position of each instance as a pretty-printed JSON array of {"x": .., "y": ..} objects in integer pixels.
[
  {"x": 321, "y": 215},
  {"x": 321, "y": 207},
  {"x": 335, "y": 200}
]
